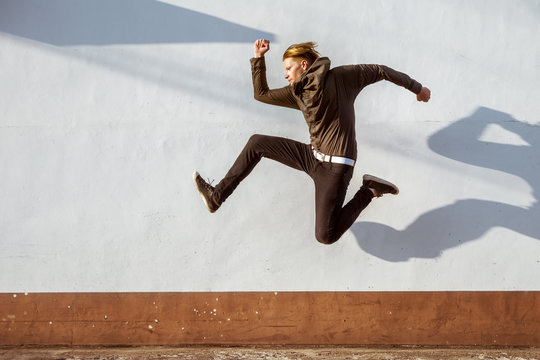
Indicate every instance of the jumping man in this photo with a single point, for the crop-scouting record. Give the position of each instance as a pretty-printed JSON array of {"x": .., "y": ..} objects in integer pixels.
[{"x": 326, "y": 98}]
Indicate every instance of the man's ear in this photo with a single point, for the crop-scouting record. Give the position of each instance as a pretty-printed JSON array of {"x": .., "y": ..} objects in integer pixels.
[{"x": 305, "y": 65}]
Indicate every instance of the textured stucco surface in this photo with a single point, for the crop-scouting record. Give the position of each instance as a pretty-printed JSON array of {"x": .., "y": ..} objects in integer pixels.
[{"x": 108, "y": 108}]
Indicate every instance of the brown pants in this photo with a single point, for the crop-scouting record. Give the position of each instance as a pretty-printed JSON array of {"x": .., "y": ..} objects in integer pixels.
[{"x": 331, "y": 182}]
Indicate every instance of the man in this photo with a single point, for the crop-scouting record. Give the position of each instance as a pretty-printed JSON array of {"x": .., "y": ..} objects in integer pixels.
[{"x": 326, "y": 98}]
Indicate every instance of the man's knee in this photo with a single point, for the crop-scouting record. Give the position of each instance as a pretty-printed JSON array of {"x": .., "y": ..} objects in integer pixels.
[
  {"x": 325, "y": 237},
  {"x": 256, "y": 140}
]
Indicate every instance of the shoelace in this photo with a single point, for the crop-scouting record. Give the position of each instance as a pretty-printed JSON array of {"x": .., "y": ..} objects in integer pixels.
[{"x": 208, "y": 184}]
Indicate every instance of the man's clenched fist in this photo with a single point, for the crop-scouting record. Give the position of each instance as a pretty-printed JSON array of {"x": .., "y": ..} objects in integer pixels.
[
  {"x": 424, "y": 95},
  {"x": 261, "y": 46}
]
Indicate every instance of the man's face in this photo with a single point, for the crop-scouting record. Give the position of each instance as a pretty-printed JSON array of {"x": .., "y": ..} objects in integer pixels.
[{"x": 294, "y": 68}]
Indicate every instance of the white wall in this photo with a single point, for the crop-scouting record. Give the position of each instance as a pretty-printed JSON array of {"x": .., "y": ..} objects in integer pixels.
[{"x": 109, "y": 106}]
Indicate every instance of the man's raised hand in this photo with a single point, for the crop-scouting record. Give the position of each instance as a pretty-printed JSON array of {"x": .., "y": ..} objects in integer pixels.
[{"x": 261, "y": 46}]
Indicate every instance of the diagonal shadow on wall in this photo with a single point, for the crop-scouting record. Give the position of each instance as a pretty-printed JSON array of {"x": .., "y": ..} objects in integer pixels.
[
  {"x": 468, "y": 219},
  {"x": 109, "y": 22},
  {"x": 87, "y": 30}
]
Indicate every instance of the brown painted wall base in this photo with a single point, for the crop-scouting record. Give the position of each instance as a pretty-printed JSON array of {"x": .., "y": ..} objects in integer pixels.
[{"x": 329, "y": 318}]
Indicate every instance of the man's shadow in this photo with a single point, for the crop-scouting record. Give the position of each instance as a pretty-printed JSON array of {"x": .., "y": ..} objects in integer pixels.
[{"x": 465, "y": 220}]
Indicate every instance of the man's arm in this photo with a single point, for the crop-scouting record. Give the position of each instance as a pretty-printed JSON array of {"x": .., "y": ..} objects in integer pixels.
[
  {"x": 369, "y": 74},
  {"x": 282, "y": 96}
]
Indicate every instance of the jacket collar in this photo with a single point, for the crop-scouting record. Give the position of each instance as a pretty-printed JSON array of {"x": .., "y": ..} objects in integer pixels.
[{"x": 313, "y": 78}]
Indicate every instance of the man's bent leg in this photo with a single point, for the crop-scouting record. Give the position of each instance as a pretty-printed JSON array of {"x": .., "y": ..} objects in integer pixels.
[
  {"x": 332, "y": 219},
  {"x": 331, "y": 182},
  {"x": 354, "y": 207}
]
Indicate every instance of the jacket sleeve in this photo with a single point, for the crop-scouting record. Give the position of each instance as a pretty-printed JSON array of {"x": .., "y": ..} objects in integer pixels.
[
  {"x": 370, "y": 74},
  {"x": 280, "y": 97}
]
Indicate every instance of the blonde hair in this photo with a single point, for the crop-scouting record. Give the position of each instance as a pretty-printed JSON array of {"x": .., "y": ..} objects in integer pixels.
[{"x": 305, "y": 51}]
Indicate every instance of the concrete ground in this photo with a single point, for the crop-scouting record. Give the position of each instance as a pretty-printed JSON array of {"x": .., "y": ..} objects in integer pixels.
[{"x": 269, "y": 352}]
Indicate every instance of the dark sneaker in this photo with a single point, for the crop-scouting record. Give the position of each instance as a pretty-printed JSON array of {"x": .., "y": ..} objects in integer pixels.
[
  {"x": 380, "y": 186},
  {"x": 207, "y": 192}
]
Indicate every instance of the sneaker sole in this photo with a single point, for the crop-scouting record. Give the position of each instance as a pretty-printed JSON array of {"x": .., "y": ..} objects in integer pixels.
[
  {"x": 195, "y": 174},
  {"x": 381, "y": 181}
]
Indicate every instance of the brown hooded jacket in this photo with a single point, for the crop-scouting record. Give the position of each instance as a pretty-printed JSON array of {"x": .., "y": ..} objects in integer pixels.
[{"x": 326, "y": 98}]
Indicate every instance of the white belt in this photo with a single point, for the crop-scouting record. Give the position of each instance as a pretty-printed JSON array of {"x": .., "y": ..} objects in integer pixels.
[{"x": 333, "y": 159}]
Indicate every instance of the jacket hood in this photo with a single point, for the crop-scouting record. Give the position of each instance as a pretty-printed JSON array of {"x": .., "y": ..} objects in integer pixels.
[{"x": 313, "y": 79}]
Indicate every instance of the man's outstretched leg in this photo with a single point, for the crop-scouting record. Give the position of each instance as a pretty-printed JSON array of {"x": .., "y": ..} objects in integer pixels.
[{"x": 286, "y": 151}]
